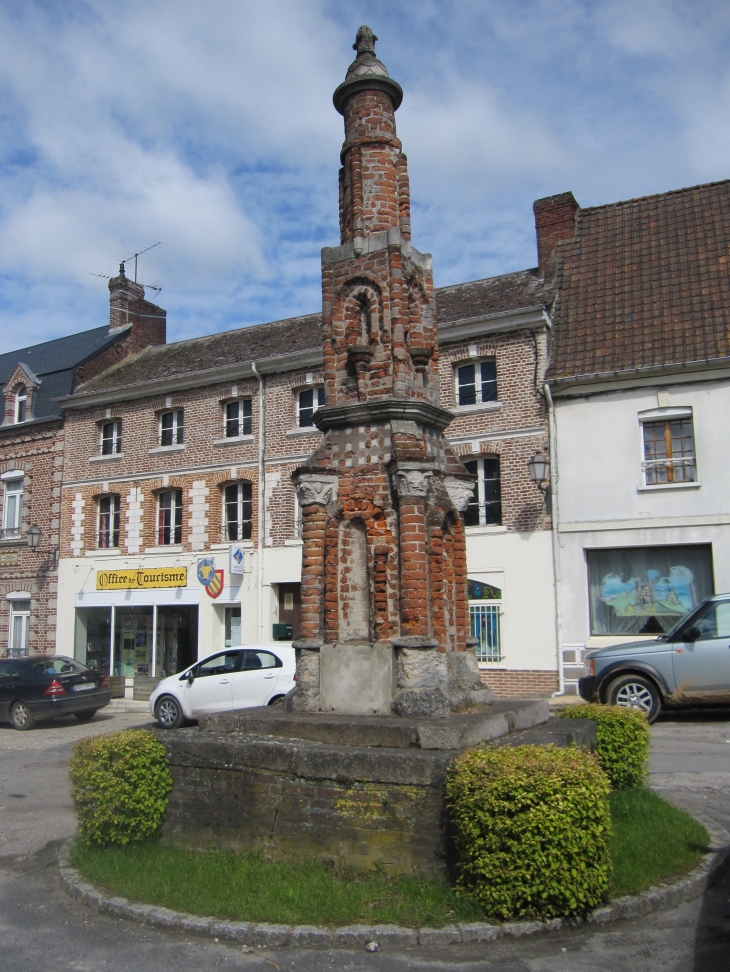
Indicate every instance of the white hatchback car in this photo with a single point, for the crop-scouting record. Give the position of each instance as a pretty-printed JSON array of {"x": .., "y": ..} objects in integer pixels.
[{"x": 237, "y": 678}]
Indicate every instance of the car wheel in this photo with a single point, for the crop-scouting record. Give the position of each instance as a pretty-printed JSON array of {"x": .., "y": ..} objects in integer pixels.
[
  {"x": 635, "y": 692},
  {"x": 21, "y": 717},
  {"x": 85, "y": 715},
  {"x": 277, "y": 700},
  {"x": 169, "y": 712}
]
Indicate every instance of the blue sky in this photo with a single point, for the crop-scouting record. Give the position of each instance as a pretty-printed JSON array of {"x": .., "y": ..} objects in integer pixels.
[{"x": 208, "y": 125}]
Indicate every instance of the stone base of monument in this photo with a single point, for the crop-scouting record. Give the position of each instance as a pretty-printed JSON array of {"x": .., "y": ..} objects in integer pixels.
[{"x": 358, "y": 790}]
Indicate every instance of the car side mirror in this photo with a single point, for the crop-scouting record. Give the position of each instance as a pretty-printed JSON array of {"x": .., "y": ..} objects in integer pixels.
[
  {"x": 191, "y": 677},
  {"x": 692, "y": 634}
]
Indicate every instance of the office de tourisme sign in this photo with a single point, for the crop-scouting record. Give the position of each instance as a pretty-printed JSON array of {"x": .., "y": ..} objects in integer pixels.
[{"x": 145, "y": 578}]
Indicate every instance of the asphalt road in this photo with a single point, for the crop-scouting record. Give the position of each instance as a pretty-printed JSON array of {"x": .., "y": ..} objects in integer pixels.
[{"x": 43, "y": 930}]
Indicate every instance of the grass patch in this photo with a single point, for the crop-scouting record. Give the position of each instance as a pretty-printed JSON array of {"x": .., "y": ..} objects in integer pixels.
[
  {"x": 245, "y": 887},
  {"x": 652, "y": 840}
]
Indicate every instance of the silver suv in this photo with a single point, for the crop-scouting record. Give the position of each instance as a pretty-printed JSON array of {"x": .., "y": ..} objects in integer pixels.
[{"x": 689, "y": 665}]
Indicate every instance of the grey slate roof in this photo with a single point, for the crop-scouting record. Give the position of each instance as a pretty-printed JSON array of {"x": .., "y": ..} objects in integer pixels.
[
  {"x": 478, "y": 298},
  {"x": 54, "y": 362}
]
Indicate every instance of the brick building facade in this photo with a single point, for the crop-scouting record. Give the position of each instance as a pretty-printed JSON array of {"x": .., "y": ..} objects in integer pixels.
[{"x": 32, "y": 440}]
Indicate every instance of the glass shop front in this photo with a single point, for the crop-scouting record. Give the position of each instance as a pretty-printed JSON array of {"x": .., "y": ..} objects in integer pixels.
[{"x": 137, "y": 640}]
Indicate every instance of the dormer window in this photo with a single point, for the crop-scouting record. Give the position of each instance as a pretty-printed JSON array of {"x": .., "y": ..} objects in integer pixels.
[{"x": 21, "y": 404}]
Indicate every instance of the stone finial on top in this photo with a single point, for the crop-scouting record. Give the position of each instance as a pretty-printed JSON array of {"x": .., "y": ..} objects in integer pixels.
[
  {"x": 364, "y": 41},
  {"x": 366, "y": 72}
]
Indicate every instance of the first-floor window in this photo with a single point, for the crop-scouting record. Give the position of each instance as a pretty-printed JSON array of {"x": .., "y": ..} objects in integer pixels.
[
  {"x": 309, "y": 401},
  {"x": 238, "y": 418},
  {"x": 477, "y": 383},
  {"x": 13, "y": 509},
  {"x": 19, "y": 628},
  {"x": 169, "y": 529},
  {"x": 646, "y": 590},
  {"x": 172, "y": 425},
  {"x": 238, "y": 511},
  {"x": 485, "y": 621},
  {"x": 485, "y": 505},
  {"x": 109, "y": 521},
  {"x": 669, "y": 452},
  {"x": 111, "y": 438}
]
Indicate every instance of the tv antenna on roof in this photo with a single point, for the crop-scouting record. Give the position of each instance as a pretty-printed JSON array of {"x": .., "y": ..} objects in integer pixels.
[
  {"x": 108, "y": 276},
  {"x": 138, "y": 254}
]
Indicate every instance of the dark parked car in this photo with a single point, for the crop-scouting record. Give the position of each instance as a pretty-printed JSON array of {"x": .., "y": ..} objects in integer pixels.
[
  {"x": 32, "y": 689},
  {"x": 689, "y": 665}
]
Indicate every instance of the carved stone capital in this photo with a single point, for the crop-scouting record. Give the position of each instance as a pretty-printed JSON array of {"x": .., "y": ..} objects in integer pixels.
[
  {"x": 412, "y": 482},
  {"x": 316, "y": 489},
  {"x": 460, "y": 492}
]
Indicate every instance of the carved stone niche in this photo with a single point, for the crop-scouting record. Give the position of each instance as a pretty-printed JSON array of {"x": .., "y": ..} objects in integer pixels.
[
  {"x": 412, "y": 482},
  {"x": 460, "y": 492},
  {"x": 316, "y": 489}
]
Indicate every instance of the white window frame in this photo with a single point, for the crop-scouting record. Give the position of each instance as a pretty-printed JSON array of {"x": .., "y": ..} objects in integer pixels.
[
  {"x": 480, "y": 489},
  {"x": 242, "y": 420},
  {"x": 479, "y": 382},
  {"x": 21, "y": 613},
  {"x": 176, "y": 430},
  {"x": 240, "y": 503},
  {"x": 13, "y": 530},
  {"x": 664, "y": 416},
  {"x": 172, "y": 526},
  {"x": 114, "y": 521},
  {"x": 115, "y": 438},
  {"x": 21, "y": 400},
  {"x": 317, "y": 392}
]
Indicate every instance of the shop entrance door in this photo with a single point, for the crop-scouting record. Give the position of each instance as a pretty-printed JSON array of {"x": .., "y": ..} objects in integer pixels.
[{"x": 177, "y": 638}]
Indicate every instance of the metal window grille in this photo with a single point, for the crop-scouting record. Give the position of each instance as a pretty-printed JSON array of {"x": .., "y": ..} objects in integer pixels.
[
  {"x": 172, "y": 426},
  {"x": 669, "y": 452},
  {"x": 486, "y": 627},
  {"x": 111, "y": 438},
  {"x": 238, "y": 511}
]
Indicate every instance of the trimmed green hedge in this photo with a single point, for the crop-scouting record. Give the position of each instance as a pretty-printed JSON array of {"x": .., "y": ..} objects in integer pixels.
[
  {"x": 119, "y": 786},
  {"x": 622, "y": 741},
  {"x": 531, "y": 828}
]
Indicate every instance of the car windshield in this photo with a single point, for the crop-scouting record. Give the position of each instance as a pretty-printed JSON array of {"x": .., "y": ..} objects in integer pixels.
[
  {"x": 57, "y": 665},
  {"x": 683, "y": 621}
]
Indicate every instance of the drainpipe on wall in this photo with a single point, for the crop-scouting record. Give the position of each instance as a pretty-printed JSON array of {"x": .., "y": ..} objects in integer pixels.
[
  {"x": 261, "y": 519},
  {"x": 553, "y": 437}
]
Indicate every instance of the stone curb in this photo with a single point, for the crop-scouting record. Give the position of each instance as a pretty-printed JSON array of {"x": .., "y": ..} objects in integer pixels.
[{"x": 266, "y": 935}]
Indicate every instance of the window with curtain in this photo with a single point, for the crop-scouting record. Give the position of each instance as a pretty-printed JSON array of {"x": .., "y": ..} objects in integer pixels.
[
  {"x": 169, "y": 526},
  {"x": 109, "y": 521},
  {"x": 669, "y": 452},
  {"x": 21, "y": 404},
  {"x": 12, "y": 509},
  {"x": 19, "y": 628},
  {"x": 646, "y": 590},
  {"x": 238, "y": 511}
]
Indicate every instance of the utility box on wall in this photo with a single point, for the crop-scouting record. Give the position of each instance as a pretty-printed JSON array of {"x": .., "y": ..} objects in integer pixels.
[{"x": 282, "y": 632}]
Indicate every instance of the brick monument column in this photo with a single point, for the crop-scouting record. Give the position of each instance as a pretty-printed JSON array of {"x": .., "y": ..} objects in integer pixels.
[{"x": 384, "y": 590}]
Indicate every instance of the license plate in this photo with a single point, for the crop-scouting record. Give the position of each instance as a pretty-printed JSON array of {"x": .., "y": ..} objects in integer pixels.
[{"x": 83, "y": 687}]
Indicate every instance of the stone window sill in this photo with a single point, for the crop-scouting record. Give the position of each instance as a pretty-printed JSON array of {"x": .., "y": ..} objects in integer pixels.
[
  {"x": 476, "y": 409},
  {"x": 13, "y": 541},
  {"x": 165, "y": 548},
  {"x": 661, "y": 487},
  {"x": 307, "y": 430},
  {"x": 294, "y": 542},
  {"x": 104, "y": 552},
  {"x": 113, "y": 455},
  {"x": 478, "y": 531},
  {"x": 178, "y": 447},
  {"x": 233, "y": 440}
]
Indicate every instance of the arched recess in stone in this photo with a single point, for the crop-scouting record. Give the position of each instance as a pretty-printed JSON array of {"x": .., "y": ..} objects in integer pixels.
[{"x": 353, "y": 582}]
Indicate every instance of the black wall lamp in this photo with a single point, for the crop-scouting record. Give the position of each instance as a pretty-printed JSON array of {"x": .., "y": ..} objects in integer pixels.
[
  {"x": 33, "y": 538},
  {"x": 539, "y": 470}
]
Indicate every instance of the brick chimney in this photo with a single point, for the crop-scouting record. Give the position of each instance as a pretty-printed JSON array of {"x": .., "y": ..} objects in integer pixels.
[
  {"x": 554, "y": 222},
  {"x": 128, "y": 308}
]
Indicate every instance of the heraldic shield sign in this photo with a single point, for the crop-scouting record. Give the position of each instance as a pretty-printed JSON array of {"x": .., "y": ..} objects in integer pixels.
[{"x": 209, "y": 577}]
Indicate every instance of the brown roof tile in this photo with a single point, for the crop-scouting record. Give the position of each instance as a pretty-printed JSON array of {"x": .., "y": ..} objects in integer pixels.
[{"x": 644, "y": 283}]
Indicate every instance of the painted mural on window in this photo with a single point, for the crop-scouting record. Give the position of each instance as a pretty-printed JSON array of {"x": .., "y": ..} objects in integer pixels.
[
  {"x": 479, "y": 591},
  {"x": 646, "y": 590}
]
